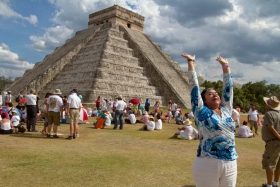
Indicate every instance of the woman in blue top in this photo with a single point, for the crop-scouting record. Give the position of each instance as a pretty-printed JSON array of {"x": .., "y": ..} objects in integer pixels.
[{"x": 215, "y": 164}]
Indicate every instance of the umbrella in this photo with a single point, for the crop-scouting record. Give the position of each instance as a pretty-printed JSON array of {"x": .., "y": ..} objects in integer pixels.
[
  {"x": 83, "y": 114},
  {"x": 134, "y": 101}
]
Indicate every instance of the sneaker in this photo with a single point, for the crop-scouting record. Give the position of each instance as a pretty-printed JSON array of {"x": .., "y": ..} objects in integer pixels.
[
  {"x": 265, "y": 185},
  {"x": 48, "y": 135},
  {"x": 69, "y": 138},
  {"x": 77, "y": 136},
  {"x": 55, "y": 136}
]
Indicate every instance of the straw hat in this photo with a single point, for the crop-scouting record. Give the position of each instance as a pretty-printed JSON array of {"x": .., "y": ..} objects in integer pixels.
[
  {"x": 187, "y": 122},
  {"x": 57, "y": 92},
  {"x": 272, "y": 102}
]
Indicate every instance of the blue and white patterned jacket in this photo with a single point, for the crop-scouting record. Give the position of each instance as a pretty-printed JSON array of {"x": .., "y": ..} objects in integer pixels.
[{"x": 217, "y": 135}]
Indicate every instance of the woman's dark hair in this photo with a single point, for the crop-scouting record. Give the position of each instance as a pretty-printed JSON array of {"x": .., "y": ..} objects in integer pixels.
[
  {"x": 244, "y": 123},
  {"x": 10, "y": 104},
  {"x": 48, "y": 95},
  {"x": 203, "y": 94},
  {"x": 3, "y": 115}
]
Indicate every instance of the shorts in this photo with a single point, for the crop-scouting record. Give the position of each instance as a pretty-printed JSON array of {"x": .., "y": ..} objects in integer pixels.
[
  {"x": 54, "y": 118},
  {"x": 74, "y": 116},
  {"x": 271, "y": 155},
  {"x": 253, "y": 124}
]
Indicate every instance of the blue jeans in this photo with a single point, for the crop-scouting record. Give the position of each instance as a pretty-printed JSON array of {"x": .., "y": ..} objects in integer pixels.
[{"x": 118, "y": 119}]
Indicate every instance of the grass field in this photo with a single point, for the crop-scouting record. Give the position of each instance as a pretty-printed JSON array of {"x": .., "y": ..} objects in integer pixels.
[{"x": 106, "y": 157}]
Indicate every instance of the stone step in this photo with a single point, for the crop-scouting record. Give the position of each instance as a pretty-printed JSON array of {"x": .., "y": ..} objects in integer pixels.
[
  {"x": 119, "y": 57},
  {"x": 127, "y": 66},
  {"x": 117, "y": 41},
  {"x": 111, "y": 47}
]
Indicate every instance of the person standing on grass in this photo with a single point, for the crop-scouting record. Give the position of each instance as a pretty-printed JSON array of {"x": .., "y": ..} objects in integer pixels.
[
  {"x": 55, "y": 112},
  {"x": 173, "y": 108},
  {"x": 253, "y": 118},
  {"x": 147, "y": 105},
  {"x": 120, "y": 107},
  {"x": 271, "y": 137},
  {"x": 31, "y": 110},
  {"x": 74, "y": 106},
  {"x": 215, "y": 164}
]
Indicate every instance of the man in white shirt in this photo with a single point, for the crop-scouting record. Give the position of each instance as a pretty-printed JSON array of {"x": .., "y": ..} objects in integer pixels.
[
  {"x": 120, "y": 106},
  {"x": 253, "y": 118},
  {"x": 55, "y": 112},
  {"x": 31, "y": 110},
  {"x": 173, "y": 108},
  {"x": 244, "y": 131},
  {"x": 8, "y": 98},
  {"x": 74, "y": 105},
  {"x": 104, "y": 104},
  {"x": 187, "y": 132}
]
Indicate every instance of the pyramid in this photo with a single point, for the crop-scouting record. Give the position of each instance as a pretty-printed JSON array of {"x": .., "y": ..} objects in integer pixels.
[{"x": 111, "y": 57}]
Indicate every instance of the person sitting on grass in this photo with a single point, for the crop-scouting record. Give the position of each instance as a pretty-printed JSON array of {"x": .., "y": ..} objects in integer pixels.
[
  {"x": 187, "y": 132},
  {"x": 131, "y": 119},
  {"x": 158, "y": 122},
  {"x": 244, "y": 131},
  {"x": 179, "y": 119},
  {"x": 149, "y": 125},
  {"x": 15, "y": 120},
  {"x": 6, "y": 125}
]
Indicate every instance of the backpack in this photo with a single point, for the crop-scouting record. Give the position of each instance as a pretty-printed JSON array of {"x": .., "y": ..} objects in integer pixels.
[
  {"x": 18, "y": 98},
  {"x": 21, "y": 128}
]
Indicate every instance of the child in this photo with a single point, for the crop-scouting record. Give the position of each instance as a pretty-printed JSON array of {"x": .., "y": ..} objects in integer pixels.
[{"x": 15, "y": 120}]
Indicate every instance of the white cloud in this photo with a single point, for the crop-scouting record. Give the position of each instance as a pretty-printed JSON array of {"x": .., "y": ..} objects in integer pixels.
[
  {"x": 53, "y": 37},
  {"x": 10, "y": 64},
  {"x": 7, "y": 12}
]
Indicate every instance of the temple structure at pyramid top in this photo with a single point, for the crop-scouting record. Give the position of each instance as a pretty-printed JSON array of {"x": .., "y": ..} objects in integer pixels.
[{"x": 111, "y": 57}]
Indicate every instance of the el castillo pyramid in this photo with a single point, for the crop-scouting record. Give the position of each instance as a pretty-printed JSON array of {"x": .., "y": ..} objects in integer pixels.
[{"x": 112, "y": 56}]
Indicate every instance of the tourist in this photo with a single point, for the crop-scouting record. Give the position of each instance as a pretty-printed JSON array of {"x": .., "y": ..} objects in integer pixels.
[
  {"x": 108, "y": 118},
  {"x": 187, "y": 132},
  {"x": 55, "y": 112},
  {"x": 8, "y": 98},
  {"x": 31, "y": 110},
  {"x": 104, "y": 104},
  {"x": 22, "y": 101},
  {"x": 169, "y": 104},
  {"x": 156, "y": 108},
  {"x": 1, "y": 99},
  {"x": 215, "y": 164},
  {"x": 179, "y": 119},
  {"x": 74, "y": 106},
  {"x": 173, "y": 108},
  {"x": 94, "y": 112},
  {"x": 6, "y": 125},
  {"x": 149, "y": 125},
  {"x": 158, "y": 122},
  {"x": 147, "y": 105},
  {"x": 244, "y": 131},
  {"x": 45, "y": 113},
  {"x": 253, "y": 118},
  {"x": 235, "y": 116},
  {"x": 97, "y": 102},
  {"x": 120, "y": 107},
  {"x": 169, "y": 115},
  {"x": 15, "y": 120},
  {"x": 271, "y": 137},
  {"x": 19, "y": 97},
  {"x": 131, "y": 119},
  {"x": 10, "y": 110}
]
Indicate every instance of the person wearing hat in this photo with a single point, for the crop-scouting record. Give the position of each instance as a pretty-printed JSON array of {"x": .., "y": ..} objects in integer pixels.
[
  {"x": 31, "y": 110},
  {"x": 15, "y": 120},
  {"x": 271, "y": 137},
  {"x": 187, "y": 132},
  {"x": 74, "y": 106},
  {"x": 55, "y": 112},
  {"x": 120, "y": 107}
]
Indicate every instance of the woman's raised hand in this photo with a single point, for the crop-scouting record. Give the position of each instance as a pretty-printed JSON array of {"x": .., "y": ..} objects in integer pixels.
[
  {"x": 188, "y": 56},
  {"x": 223, "y": 61}
]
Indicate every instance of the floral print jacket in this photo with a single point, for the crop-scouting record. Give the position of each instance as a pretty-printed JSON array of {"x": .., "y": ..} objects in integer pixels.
[{"x": 217, "y": 134}]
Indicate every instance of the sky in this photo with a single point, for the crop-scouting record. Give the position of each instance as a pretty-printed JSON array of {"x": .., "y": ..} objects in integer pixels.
[{"x": 247, "y": 33}]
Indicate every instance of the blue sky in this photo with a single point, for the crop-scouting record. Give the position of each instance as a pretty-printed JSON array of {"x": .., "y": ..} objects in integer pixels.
[{"x": 245, "y": 32}]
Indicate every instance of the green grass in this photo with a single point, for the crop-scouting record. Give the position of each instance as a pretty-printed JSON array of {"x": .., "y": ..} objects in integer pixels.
[{"x": 113, "y": 158}]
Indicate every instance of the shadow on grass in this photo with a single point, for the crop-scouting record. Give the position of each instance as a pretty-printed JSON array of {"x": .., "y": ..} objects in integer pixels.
[
  {"x": 188, "y": 186},
  {"x": 37, "y": 136}
]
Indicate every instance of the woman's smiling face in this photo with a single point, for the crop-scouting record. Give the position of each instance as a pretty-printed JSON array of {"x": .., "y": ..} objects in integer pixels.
[{"x": 212, "y": 99}]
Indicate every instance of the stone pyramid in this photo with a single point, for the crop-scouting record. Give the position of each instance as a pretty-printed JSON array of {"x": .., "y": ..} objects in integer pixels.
[{"x": 111, "y": 57}]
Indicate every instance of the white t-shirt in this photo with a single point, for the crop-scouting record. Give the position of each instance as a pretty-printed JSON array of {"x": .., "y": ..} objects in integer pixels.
[
  {"x": 120, "y": 105},
  {"x": 5, "y": 126},
  {"x": 173, "y": 106},
  {"x": 253, "y": 115},
  {"x": 158, "y": 125},
  {"x": 31, "y": 99},
  {"x": 189, "y": 133},
  {"x": 107, "y": 121},
  {"x": 176, "y": 113},
  {"x": 54, "y": 102},
  {"x": 244, "y": 131},
  {"x": 235, "y": 115},
  {"x": 132, "y": 118},
  {"x": 74, "y": 100},
  {"x": 103, "y": 105},
  {"x": 15, "y": 120},
  {"x": 1, "y": 100},
  {"x": 150, "y": 125}
]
